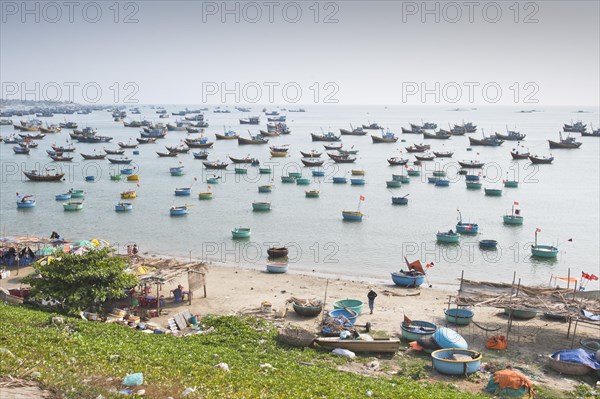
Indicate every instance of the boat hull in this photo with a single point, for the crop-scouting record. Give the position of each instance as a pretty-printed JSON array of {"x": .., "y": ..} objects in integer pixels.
[
  {"x": 277, "y": 268},
  {"x": 399, "y": 200},
  {"x": 544, "y": 251},
  {"x": 353, "y": 216},
  {"x": 448, "y": 238},
  {"x": 514, "y": 220},
  {"x": 467, "y": 228},
  {"x": 492, "y": 192},
  {"x": 240, "y": 233},
  {"x": 407, "y": 281},
  {"x": 417, "y": 329},
  {"x": 460, "y": 317},
  {"x": 444, "y": 362}
]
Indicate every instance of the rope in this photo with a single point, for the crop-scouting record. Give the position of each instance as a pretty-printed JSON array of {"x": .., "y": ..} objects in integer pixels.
[{"x": 486, "y": 329}]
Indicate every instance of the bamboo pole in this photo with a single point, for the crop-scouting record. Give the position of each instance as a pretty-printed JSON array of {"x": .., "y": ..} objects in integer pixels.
[
  {"x": 518, "y": 287},
  {"x": 569, "y": 277},
  {"x": 325, "y": 300}
]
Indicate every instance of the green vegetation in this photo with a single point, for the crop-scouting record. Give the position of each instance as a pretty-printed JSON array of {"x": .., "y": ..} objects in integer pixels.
[
  {"x": 81, "y": 281},
  {"x": 77, "y": 358}
]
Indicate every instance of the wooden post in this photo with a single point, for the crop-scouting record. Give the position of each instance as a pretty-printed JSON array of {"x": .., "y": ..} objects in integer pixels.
[
  {"x": 574, "y": 290},
  {"x": 325, "y": 300},
  {"x": 569, "y": 277},
  {"x": 157, "y": 299},
  {"x": 550, "y": 283},
  {"x": 512, "y": 286},
  {"x": 518, "y": 287},
  {"x": 462, "y": 275}
]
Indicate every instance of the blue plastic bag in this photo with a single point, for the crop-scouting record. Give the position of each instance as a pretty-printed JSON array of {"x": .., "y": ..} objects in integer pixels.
[{"x": 133, "y": 379}]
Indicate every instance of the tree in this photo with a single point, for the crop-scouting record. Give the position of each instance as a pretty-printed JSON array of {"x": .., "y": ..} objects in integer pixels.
[{"x": 80, "y": 281}]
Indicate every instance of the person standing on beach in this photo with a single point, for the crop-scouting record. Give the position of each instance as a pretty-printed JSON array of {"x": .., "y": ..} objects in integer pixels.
[{"x": 371, "y": 295}]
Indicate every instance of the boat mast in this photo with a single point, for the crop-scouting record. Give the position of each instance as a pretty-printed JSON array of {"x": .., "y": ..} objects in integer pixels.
[{"x": 536, "y": 233}]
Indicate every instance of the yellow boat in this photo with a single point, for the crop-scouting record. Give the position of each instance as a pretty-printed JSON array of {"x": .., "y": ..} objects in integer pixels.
[
  {"x": 133, "y": 178},
  {"x": 205, "y": 196},
  {"x": 358, "y": 172},
  {"x": 128, "y": 194},
  {"x": 279, "y": 154}
]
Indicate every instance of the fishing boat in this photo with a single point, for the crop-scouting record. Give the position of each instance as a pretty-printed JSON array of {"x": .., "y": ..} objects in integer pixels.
[
  {"x": 412, "y": 131},
  {"x": 468, "y": 127},
  {"x": 277, "y": 267},
  {"x": 280, "y": 148},
  {"x": 394, "y": 161},
  {"x": 418, "y": 148},
  {"x": 127, "y": 171},
  {"x": 393, "y": 184},
  {"x": 456, "y": 361},
  {"x": 357, "y": 181},
  {"x": 389, "y": 345},
  {"x": 277, "y": 154},
  {"x": 213, "y": 179},
  {"x": 400, "y": 200},
  {"x": 93, "y": 156},
  {"x": 312, "y": 193},
  {"x": 351, "y": 151},
  {"x": 515, "y": 217},
  {"x": 76, "y": 193},
  {"x": 339, "y": 180},
  {"x": 265, "y": 171},
  {"x": 439, "y": 135},
  {"x": 288, "y": 179},
  {"x": 146, "y": 140},
  {"x": 474, "y": 185},
  {"x": 183, "y": 191},
  {"x": 307, "y": 310},
  {"x": 200, "y": 155},
  {"x": 200, "y": 142},
  {"x": 240, "y": 170},
  {"x": 167, "y": 154},
  {"x": 261, "y": 206},
  {"x": 442, "y": 182},
  {"x": 466, "y": 227},
  {"x": 386, "y": 137},
  {"x": 253, "y": 120},
  {"x": 21, "y": 150},
  {"x": 302, "y": 181},
  {"x": 372, "y": 126},
  {"x": 152, "y": 134},
  {"x": 358, "y": 172},
  {"x": 412, "y": 278},
  {"x": 539, "y": 159},
  {"x": 488, "y": 244},
  {"x": 257, "y": 139},
  {"x": 190, "y": 129},
  {"x": 458, "y": 316},
  {"x": 413, "y": 330},
  {"x": 50, "y": 129},
  {"x": 123, "y": 207},
  {"x": 265, "y": 189},
  {"x": 332, "y": 146},
  {"x": 120, "y": 161},
  {"x": 227, "y": 135},
  {"x": 29, "y": 136},
  {"x": 342, "y": 158},
  {"x": 511, "y": 183},
  {"x": 329, "y": 136},
  {"x": 178, "y": 210},
  {"x": 493, "y": 192},
  {"x": 275, "y": 252},
  {"x": 114, "y": 152},
  {"x": 413, "y": 172},
  {"x": 312, "y": 162},
  {"x": 358, "y": 131},
  {"x": 62, "y": 148},
  {"x": 245, "y": 160},
  {"x": 511, "y": 135},
  {"x": 62, "y": 197},
  {"x": 34, "y": 175},
  {"x": 448, "y": 237},
  {"x": 205, "y": 195},
  {"x": 515, "y": 154},
  {"x": 176, "y": 171},
  {"x": 61, "y": 158},
  {"x": 443, "y": 154},
  {"x": 127, "y": 145},
  {"x": 73, "y": 205},
  {"x": 491, "y": 141},
  {"x": 240, "y": 232},
  {"x": 352, "y": 215},
  {"x": 404, "y": 179},
  {"x": 566, "y": 143},
  {"x": 577, "y": 127},
  {"x": 272, "y": 133},
  {"x": 311, "y": 154},
  {"x": 543, "y": 251},
  {"x": 25, "y": 201},
  {"x": 68, "y": 125},
  {"x": 131, "y": 194},
  {"x": 520, "y": 313},
  {"x": 471, "y": 164},
  {"x": 180, "y": 149},
  {"x": 93, "y": 139},
  {"x": 425, "y": 157}
]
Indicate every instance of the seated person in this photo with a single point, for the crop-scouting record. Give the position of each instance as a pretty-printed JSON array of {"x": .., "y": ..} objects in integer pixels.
[{"x": 178, "y": 293}]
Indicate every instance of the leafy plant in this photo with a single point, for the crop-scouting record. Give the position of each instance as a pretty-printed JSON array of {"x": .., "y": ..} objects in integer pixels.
[{"x": 80, "y": 281}]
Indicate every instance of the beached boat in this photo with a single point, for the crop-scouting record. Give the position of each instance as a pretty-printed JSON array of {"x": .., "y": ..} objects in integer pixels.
[
  {"x": 307, "y": 310},
  {"x": 408, "y": 279},
  {"x": 389, "y": 345},
  {"x": 123, "y": 207},
  {"x": 329, "y": 136},
  {"x": 448, "y": 237},
  {"x": 566, "y": 143},
  {"x": 240, "y": 232},
  {"x": 25, "y": 201},
  {"x": 280, "y": 252},
  {"x": 417, "y": 329},
  {"x": 277, "y": 268},
  {"x": 455, "y": 361},
  {"x": 178, "y": 210},
  {"x": 73, "y": 205},
  {"x": 311, "y": 154},
  {"x": 520, "y": 313},
  {"x": 386, "y": 137},
  {"x": 34, "y": 175},
  {"x": 493, "y": 192},
  {"x": 460, "y": 317}
]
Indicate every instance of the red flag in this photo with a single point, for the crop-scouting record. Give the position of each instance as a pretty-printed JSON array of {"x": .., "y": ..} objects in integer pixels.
[
  {"x": 586, "y": 276},
  {"x": 429, "y": 265},
  {"x": 515, "y": 203},
  {"x": 593, "y": 277},
  {"x": 209, "y": 187},
  {"x": 538, "y": 230},
  {"x": 362, "y": 198}
]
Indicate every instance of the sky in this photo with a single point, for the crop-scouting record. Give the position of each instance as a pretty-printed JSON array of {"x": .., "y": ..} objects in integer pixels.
[{"x": 460, "y": 53}]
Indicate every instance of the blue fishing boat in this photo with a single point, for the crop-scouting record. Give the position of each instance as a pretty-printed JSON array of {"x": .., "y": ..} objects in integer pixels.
[
  {"x": 357, "y": 182},
  {"x": 352, "y": 215},
  {"x": 432, "y": 179},
  {"x": 123, "y": 207},
  {"x": 449, "y": 237},
  {"x": 472, "y": 177},
  {"x": 240, "y": 232},
  {"x": 302, "y": 181},
  {"x": 265, "y": 189},
  {"x": 277, "y": 267},
  {"x": 127, "y": 171},
  {"x": 261, "y": 206},
  {"x": 25, "y": 201},
  {"x": 63, "y": 197},
  {"x": 348, "y": 314},
  {"x": 288, "y": 179},
  {"x": 473, "y": 185},
  {"x": 456, "y": 361},
  {"x": 176, "y": 171},
  {"x": 543, "y": 251},
  {"x": 466, "y": 227},
  {"x": 400, "y": 200},
  {"x": 183, "y": 191},
  {"x": 318, "y": 173},
  {"x": 405, "y": 279},
  {"x": 90, "y": 178},
  {"x": 488, "y": 244},
  {"x": 340, "y": 180},
  {"x": 178, "y": 210},
  {"x": 21, "y": 150},
  {"x": 442, "y": 183},
  {"x": 76, "y": 193}
]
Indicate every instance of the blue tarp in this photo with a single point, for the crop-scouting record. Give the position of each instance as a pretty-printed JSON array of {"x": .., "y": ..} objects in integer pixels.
[{"x": 580, "y": 356}]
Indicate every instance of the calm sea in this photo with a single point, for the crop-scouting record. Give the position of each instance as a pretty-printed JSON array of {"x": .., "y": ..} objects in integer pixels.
[{"x": 561, "y": 199}]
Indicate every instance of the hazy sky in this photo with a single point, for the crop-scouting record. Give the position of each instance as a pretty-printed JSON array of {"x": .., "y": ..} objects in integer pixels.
[{"x": 358, "y": 52}]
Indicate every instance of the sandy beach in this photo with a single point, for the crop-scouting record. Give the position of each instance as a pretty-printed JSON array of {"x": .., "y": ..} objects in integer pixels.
[{"x": 237, "y": 290}]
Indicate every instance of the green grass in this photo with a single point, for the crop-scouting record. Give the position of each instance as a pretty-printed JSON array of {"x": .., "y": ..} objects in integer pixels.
[{"x": 75, "y": 360}]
